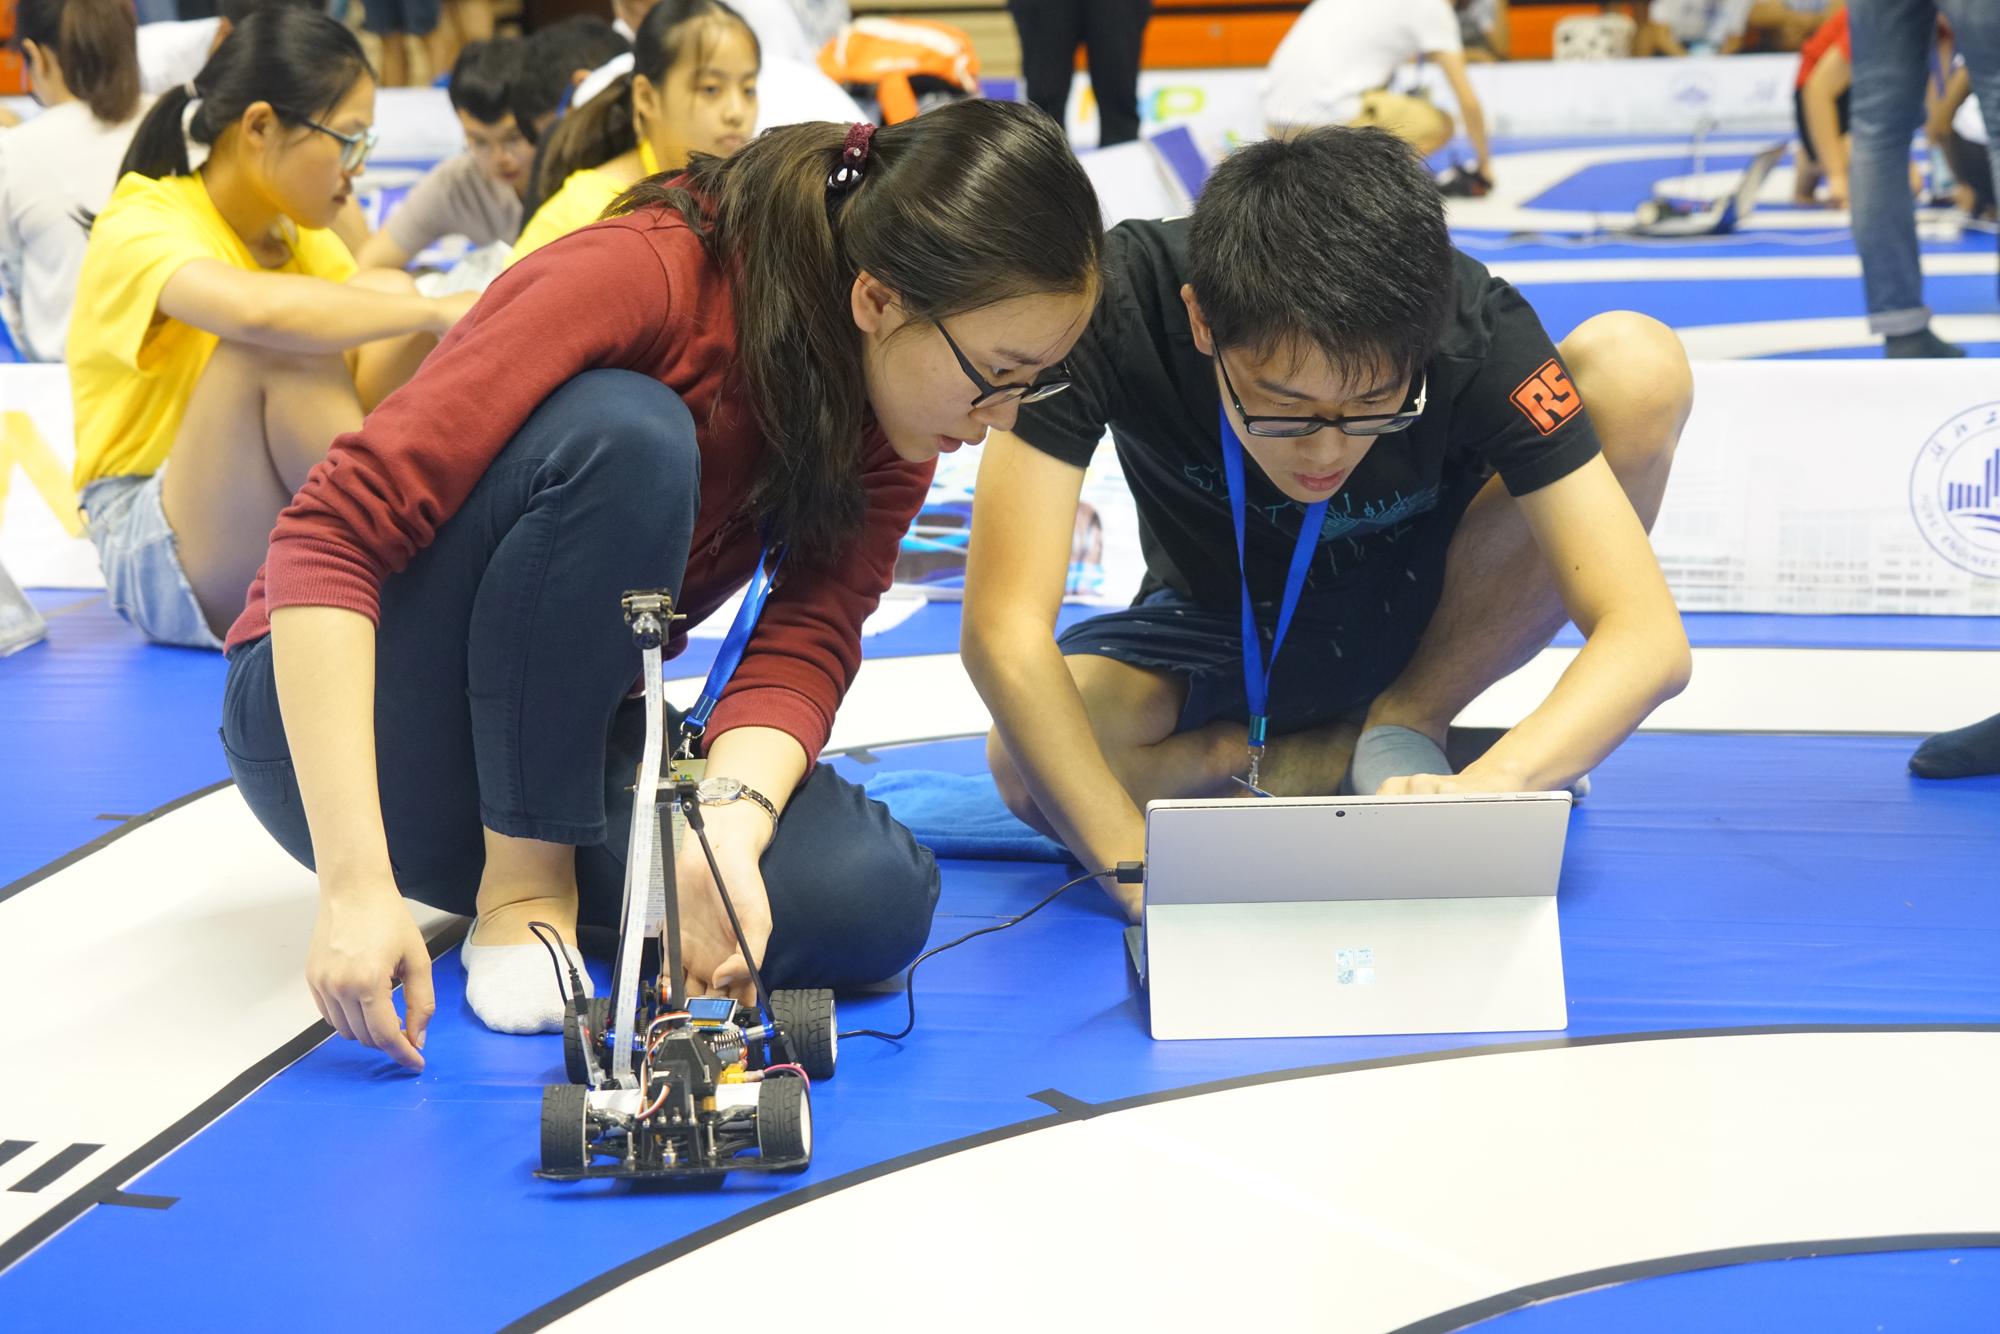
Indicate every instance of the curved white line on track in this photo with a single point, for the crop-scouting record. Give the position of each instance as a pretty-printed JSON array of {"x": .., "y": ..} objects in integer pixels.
[{"x": 1366, "y": 1200}]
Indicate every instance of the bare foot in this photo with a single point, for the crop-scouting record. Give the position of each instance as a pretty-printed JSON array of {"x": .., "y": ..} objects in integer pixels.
[{"x": 507, "y": 923}]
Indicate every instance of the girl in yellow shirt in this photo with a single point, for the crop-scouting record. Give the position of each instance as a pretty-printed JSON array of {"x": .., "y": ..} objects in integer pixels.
[
  {"x": 220, "y": 326},
  {"x": 692, "y": 89}
]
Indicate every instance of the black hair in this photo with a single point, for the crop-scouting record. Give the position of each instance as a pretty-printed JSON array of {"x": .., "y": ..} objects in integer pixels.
[
  {"x": 235, "y": 11},
  {"x": 481, "y": 79},
  {"x": 971, "y": 204},
  {"x": 298, "y": 60},
  {"x": 1334, "y": 242},
  {"x": 593, "y": 134},
  {"x": 549, "y": 60},
  {"x": 94, "y": 42}
]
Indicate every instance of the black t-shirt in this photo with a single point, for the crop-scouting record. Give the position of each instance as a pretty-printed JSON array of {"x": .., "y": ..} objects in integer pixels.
[{"x": 1500, "y": 401}]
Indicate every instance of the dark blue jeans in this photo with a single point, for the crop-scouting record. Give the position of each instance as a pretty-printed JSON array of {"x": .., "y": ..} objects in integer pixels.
[
  {"x": 501, "y": 674},
  {"x": 1892, "y": 42}
]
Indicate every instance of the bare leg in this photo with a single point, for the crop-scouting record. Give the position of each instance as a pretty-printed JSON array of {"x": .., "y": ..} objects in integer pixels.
[
  {"x": 256, "y": 423},
  {"x": 1499, "y": 606},
  {"x": 382, "y": 367},
  {"x": 1805, "y": 176},
  {"x": 1133, "y": 713},
  {"x": 395, "y": 60},
  {"x": 525, "y": 881}
]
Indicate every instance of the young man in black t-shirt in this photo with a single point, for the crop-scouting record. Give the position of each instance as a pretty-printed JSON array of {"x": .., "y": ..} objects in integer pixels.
[{"x": 1465, "y": 502}]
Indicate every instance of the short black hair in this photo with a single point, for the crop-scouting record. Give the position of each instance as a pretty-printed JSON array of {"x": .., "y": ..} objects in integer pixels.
[
  {"x": 237, "y": 10},
  {"x": 481, "y": 78},
  {"x": 550, "y": 57},
  {"x": 1332, "y": 241}
]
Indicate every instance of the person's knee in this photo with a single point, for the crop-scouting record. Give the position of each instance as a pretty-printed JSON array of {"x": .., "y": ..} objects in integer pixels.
[
  {"x": 1634, "y": 376},
  {"x": 637, "y": 435},
  {"x": 892, "y": 885}
]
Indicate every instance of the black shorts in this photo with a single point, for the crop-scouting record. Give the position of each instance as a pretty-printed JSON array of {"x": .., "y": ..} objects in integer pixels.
[
  {"x": 419, "y": 18},
  {"x": 1799, "y": 119},
  {"x": 1347, "y": 643}
]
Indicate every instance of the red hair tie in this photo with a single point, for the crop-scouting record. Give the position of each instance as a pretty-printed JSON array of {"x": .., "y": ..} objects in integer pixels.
[{"x": 853, "y": 158}]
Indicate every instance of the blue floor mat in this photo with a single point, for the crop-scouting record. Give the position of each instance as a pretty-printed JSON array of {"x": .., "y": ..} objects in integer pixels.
[{"x": 1795, "y": 901}]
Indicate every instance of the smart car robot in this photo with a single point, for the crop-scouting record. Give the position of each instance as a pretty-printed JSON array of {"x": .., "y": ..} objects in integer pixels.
[{"x": 664, "y": 1086}]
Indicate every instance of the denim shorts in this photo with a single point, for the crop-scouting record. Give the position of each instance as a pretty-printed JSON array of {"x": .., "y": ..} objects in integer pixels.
[{"x": 142, "y": 564}]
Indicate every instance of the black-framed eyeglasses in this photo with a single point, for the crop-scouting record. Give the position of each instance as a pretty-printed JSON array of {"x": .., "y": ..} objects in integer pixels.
[
  {"x": 1377, "y": 423},
  {"x": 1035, "y": 391},
  {"x": 354, "y": 148}
]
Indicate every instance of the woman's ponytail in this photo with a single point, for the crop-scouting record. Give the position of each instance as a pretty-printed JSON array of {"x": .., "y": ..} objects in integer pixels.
[
  {"x": 589, "y": 136},
  {"x": 158, "y": 148}
]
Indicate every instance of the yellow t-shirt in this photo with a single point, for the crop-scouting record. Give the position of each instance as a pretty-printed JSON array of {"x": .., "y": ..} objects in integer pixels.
[
  {"x": 132, "y": 369},
  {"x": 581, "y": 201}
]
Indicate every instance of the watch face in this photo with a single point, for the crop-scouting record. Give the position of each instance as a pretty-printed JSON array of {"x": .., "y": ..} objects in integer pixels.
[{"x": 720, "y": 789}]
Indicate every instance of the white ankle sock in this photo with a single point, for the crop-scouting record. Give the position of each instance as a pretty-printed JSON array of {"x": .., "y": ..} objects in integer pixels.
[{"x": 512, "y": 988}]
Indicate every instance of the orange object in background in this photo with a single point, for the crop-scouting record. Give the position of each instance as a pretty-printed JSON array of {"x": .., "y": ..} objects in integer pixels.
[
  {"x": 895, "y": 61},
  {"x": 1204, "y": 34},
  {"x": 13, "y": 70}
]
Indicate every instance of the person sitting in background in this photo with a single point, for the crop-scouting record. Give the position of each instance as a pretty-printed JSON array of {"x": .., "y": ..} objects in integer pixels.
[
  {"x": 59, "y": 168},
  {"x": 1957, "y": 127},
  {"x": 1692, "y": 28},
  {"x": 1334, "y": 67},
  {"x": 172, "y": 53},
  {"x": 692, "y": 89},
  {"x": 478, "y": 193},
  {"x": 553, "y": 61},
  {"x": 1820, "y": 110},
  {"x": 221, "y": 329}
]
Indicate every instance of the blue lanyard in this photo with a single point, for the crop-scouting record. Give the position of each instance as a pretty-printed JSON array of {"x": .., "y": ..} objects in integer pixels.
[
  {"x": 731, "y": 653},
  {"x": 1256, "y": 674}
]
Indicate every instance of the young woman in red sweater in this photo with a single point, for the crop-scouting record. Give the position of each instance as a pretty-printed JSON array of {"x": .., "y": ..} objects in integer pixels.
[{"x": 428, "y": 689}]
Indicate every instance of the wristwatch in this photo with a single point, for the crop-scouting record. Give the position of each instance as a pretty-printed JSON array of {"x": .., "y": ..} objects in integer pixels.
[{"x": 722, "y": 791}]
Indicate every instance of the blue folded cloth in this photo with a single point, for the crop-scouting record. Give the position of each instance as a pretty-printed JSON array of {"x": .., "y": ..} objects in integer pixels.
[{"x": 960, "y": 815}]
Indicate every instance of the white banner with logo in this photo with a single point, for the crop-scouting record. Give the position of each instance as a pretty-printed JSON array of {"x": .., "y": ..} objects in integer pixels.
[{"x": 1800, "y": 486}]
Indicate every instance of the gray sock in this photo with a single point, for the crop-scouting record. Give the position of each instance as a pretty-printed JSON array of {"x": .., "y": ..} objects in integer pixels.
[{"x": 1389, "y": 752}]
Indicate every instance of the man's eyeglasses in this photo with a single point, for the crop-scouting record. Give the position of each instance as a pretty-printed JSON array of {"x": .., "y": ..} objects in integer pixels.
[
  {"x": 1379, "y": 423},
  {"x": 1048, "y": 386},
  {"x": 354, "y": 148}
]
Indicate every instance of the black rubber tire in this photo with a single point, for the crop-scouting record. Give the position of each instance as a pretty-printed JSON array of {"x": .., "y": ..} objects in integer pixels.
[
  {"x": 784, "y": 1118},
  {"x": 597, "y": 1012},
  {"x": 565, "y": 1128},
  {"x": 807, "y": 1018}
]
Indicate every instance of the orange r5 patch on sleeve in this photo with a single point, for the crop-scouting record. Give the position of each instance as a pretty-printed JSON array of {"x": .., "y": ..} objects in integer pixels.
[{"x": 1547, "y": 398}]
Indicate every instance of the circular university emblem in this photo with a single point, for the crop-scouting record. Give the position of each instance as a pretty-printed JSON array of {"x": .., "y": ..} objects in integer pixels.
[{"x": 1955, "y": 490}]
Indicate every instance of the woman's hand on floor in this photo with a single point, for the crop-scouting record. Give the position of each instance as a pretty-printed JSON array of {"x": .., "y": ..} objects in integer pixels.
[
  {"x": 363, "y": 943},
  {"x": 739, "y": 832}
]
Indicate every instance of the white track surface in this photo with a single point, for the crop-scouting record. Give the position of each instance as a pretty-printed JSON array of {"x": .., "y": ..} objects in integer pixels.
[{"x": 1375, "y": 1198}]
